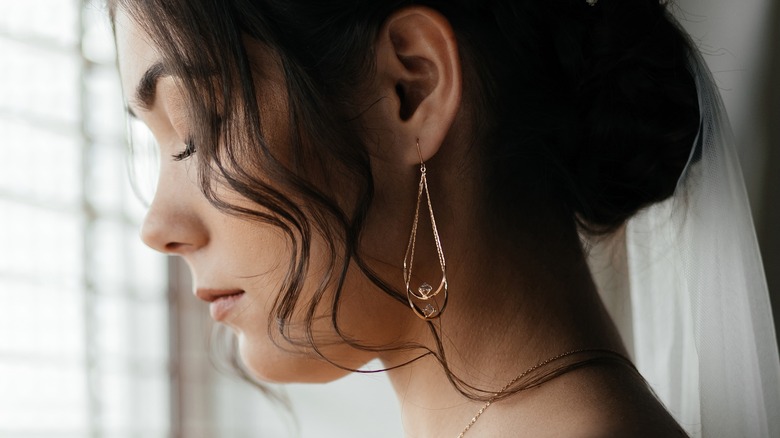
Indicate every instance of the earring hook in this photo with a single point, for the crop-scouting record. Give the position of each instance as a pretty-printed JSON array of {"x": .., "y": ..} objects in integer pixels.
[{"x": 419, "y": 153}]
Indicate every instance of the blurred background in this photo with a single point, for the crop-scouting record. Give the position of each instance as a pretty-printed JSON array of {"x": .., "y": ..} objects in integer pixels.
[{"x": 101, "y": 337}]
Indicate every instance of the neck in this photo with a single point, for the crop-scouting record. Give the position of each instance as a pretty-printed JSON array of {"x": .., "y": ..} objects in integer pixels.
[{"x": 512, "y": 306}]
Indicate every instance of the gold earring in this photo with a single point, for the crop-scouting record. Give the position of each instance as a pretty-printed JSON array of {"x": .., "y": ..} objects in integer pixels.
[{"x": 422, "y": 299}]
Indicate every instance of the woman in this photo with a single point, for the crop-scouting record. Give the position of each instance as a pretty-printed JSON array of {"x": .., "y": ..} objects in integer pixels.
[{"x": 410, "y": 182}]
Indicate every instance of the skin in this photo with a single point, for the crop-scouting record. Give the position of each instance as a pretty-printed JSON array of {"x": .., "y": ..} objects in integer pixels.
[{"x": 533, "y": 281}]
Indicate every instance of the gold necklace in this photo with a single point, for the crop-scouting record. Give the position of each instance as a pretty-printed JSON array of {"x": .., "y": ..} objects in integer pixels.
[{"x": 530, "y": 370}]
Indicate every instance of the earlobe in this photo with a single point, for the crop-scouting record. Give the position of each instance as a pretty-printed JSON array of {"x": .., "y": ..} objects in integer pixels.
[{"x": 419, "y": 66}]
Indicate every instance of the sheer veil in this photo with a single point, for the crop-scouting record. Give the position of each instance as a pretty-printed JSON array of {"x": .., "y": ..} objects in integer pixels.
[{"x": 685, "y": 284}]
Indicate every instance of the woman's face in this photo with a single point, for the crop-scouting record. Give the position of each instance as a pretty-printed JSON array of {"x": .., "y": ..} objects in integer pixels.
[{"x": 238, "y": 265}]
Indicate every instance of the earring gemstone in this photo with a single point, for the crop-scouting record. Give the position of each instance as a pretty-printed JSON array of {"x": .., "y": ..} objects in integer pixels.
[
  {"x": 425, "y": 289},
  {"x": 428, "y": 310}
]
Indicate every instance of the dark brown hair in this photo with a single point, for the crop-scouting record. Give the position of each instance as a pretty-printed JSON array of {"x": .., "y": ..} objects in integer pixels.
[{"x": 592, "y": 108}]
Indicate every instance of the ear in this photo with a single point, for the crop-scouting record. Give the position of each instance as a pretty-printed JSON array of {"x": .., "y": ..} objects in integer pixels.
[{"x": 418, "y": 68}]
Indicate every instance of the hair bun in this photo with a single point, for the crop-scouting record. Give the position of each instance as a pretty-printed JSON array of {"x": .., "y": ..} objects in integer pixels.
[{"x": 638, "y": 114}]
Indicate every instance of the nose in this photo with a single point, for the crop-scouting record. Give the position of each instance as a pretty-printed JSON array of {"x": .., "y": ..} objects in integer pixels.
[{"x": 173, "y": 224}]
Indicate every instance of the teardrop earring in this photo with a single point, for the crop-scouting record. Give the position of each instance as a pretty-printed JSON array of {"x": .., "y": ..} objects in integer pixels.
[{"x": 422, "y": 299}]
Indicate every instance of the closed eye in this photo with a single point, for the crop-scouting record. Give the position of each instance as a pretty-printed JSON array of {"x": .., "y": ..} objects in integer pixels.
[{"x": 188, "y": 151}]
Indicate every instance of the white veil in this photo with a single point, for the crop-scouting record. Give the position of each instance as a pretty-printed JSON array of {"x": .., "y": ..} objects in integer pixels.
[{"x": 686, "y": 287}]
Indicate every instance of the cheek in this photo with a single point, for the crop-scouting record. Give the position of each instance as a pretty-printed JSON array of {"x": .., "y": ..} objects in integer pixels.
[
  {"x": 256, "y": 258},
  {"x": 366, "y": 314}
]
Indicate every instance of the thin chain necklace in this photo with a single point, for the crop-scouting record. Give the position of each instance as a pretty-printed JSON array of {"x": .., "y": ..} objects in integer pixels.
[{"x": 525, "y": 373}]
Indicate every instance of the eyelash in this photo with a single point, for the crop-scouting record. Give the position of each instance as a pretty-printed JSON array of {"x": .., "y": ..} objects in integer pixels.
[{"x": 188, "y": 151}]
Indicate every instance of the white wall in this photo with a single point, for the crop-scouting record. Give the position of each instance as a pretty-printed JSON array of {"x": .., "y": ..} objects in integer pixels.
[{"x": 733, "y": 36}]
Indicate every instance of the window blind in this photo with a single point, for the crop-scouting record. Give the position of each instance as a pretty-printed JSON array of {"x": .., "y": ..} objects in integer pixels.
[{"x": 84, "y": 350}]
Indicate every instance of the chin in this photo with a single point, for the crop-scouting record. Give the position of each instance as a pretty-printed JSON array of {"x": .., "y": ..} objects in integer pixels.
[{"x": 270, "y": 363}]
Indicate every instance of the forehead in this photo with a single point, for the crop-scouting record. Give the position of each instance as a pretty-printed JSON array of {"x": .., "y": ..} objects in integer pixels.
[{"x": 135, "y": 52}]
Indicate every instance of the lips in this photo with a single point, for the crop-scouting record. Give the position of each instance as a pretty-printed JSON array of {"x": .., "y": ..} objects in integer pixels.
[{"x": 222, "y": 301}]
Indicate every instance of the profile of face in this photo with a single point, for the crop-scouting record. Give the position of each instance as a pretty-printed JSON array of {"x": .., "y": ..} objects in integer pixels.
[
  {"x": 505, "y": 160},
  {"x": 239, "y": 265}
]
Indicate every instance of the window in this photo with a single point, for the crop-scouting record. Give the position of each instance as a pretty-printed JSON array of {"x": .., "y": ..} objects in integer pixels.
[{"x": 84, "y": 350}]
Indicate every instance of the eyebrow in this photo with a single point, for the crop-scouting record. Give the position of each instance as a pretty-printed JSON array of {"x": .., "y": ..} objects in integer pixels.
[{"x": 147, "y": 87}]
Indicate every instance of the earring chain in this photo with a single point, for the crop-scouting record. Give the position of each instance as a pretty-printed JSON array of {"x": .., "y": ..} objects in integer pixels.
[{"x": 425, "y": 292}]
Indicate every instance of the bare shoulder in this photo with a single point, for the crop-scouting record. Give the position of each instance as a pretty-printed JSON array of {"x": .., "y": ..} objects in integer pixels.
[
  {"x": 596, "y": 402},
  {"x": 613, "y": 402}
]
